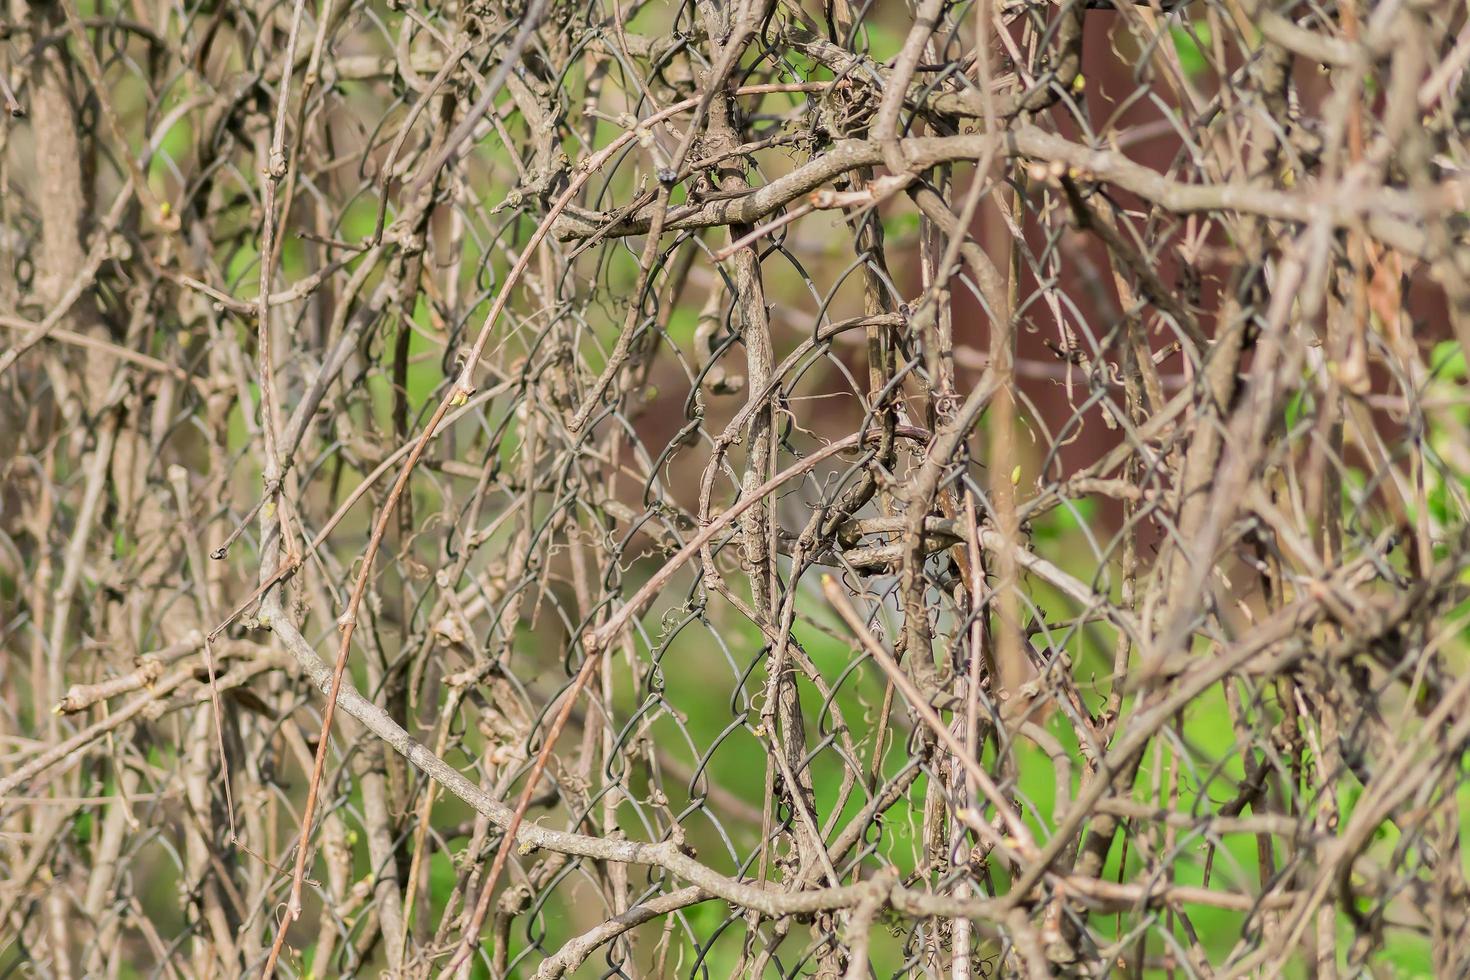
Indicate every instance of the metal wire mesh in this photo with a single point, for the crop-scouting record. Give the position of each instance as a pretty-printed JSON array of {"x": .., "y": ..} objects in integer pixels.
[{"x": 966, "y": 489}]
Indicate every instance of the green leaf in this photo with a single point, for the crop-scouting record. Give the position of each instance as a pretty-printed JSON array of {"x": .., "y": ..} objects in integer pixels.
[{"x": 1190, "y": 43}]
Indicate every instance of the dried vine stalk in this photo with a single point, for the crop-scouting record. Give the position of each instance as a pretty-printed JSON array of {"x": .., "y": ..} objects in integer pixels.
[{"x": 741, "y": 488}]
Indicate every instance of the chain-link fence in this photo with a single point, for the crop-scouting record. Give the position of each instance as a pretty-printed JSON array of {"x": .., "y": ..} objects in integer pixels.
[{"x": 734, "y": 488}]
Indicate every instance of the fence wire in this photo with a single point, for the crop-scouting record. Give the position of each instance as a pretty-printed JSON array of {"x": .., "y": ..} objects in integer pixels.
[{"x": 781, "y": 488}]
